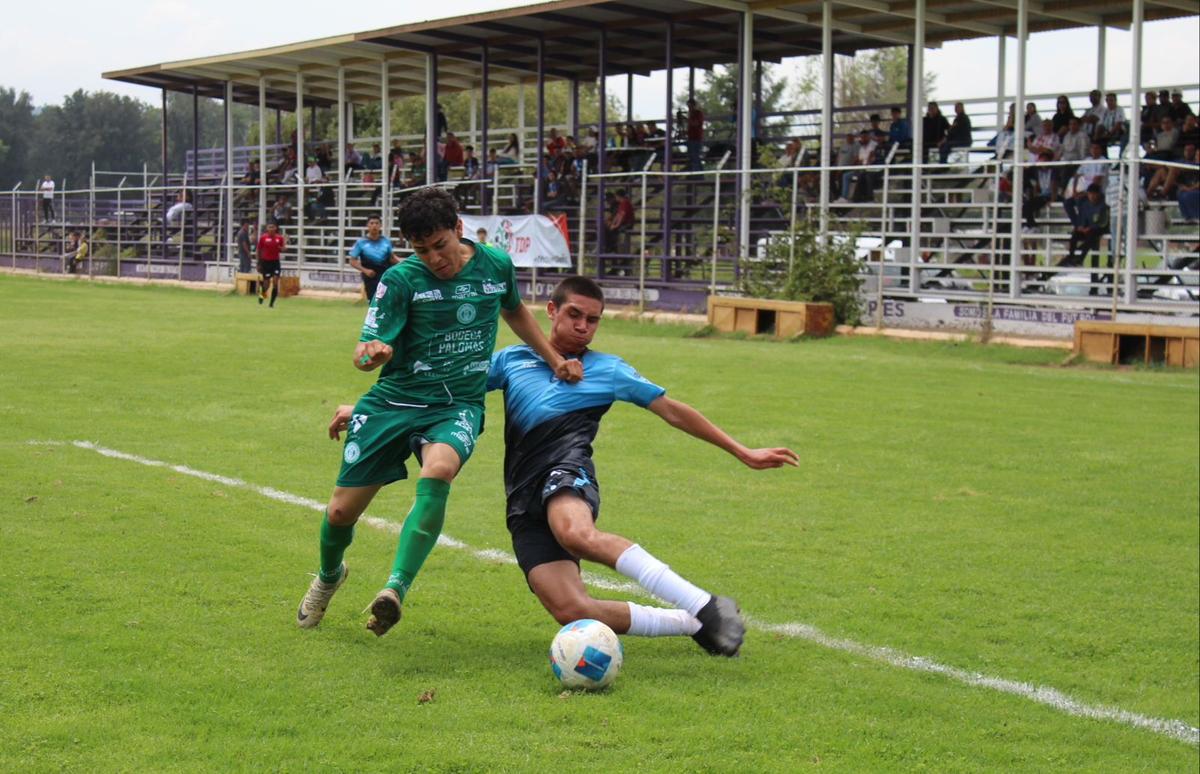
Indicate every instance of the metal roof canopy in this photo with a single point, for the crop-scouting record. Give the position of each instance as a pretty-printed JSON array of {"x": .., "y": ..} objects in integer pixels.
[{"x": 706, "y": 34}]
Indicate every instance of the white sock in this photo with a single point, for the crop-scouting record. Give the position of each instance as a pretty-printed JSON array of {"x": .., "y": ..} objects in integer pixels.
[
  {"x": 660, "y": 580},
  {"x": 660, "y": 622}
]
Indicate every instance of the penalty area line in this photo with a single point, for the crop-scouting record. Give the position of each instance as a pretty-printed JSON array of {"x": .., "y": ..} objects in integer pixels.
[{"x": 1039, "y": 694}]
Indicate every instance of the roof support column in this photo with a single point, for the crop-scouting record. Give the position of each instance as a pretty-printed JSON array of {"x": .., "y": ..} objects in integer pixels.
[
  {"x": 745, "y": 117},
  {"x": 301, "y": 167},
  {"x": 918, "y": 131},
  {"x": 1001, "y": 74},
  {"x": 1101, "y": 53},
  {"x": 1135, "y": 149},
  {"x": 826, "y": 110},
  {"x": 385, "y": 137},
  {"x": 484, "y": 190},
  {"x": 229, "y": 171},
  {"x": 341, "y": 161},
  {"x": 432, "y": 160},
  {"x": 262, "y": 154},
  {"x": 165, "y": 205},
  {"x": 472, "y": 126},
  {"x": 1018, "y": 147},
  {"x": 195, "y": 176},
  {"x": 601, "y": 150},
  {"x": 521, "y": 122},
  {"x": 629, "y": 97},
  {"x": 668, "y": 145},
  {"x": 573, "y": 110},
  {"x": 540, "y": 159}
]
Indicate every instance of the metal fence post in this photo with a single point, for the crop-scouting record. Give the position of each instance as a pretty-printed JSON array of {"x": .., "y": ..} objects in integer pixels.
[
  {"x": 792, "y": 232},
  {"x": 91, "y": 223}
]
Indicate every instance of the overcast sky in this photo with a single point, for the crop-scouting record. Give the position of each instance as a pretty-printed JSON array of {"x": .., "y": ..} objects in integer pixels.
[{"x": 52, "y": 48}]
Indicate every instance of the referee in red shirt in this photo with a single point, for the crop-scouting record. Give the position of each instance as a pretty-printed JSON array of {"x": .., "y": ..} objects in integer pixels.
[{"x": 270, "y": 247}]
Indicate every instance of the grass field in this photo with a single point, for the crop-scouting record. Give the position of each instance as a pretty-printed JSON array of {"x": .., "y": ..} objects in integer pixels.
[{"x": 982, "y": 508}]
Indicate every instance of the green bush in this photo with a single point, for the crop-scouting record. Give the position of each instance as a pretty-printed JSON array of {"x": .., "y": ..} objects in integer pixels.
[{"x": 820, "y": 270}]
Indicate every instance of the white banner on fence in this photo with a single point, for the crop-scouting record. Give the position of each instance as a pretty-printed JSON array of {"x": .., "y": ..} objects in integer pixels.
[{"x": 531, "y": 240}]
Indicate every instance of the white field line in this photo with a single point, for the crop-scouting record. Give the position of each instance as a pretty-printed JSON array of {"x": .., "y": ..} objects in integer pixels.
[{"x": 1044, "y": 695}]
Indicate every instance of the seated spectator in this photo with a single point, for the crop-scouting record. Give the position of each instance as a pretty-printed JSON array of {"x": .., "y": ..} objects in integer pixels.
[
  {"x": 960, "y": 134},
  {"x": 470, "y": 163},
  {"x": 354, "y": 159},
  {"x": 77, "y": 251},
  {"x": 1062, "y": 115},
  {"x": 1094, "y": 171},
  {"x": 281, "y": 213},
  {"x": 1075, "y": 142},
  {"x": 177, "y": 211},
  {"x": 1089, "y": 218},
  {"x": 1047, "y": 185},
  {"x": 878, "y": 136},
  {"x": 313, "y": 174},
  {"x": 848, "y": 151},
  {"x": 1162, "y": 147},
  {"x": 589, "y": 141},
  {"x": 1152, "y": 116},
  {"x": 283, "y": 171},
  {"x": 1003, "y": 142},
  {"x": 556, "y": 198},
  {"x": 1190, "y": 133},
  {"x": 899, "y": 131},
  {"x": 373, "y": 161},
  {"x": 251, "y": 178},
  {"x": 511, "y": 153},
  {"x": 935, "y": 129},
  {"x": 1033, "y": 120},
  {"x": 1113, "y": 128},
  {"x": 493, "y": 161},
  {"x": 1188, "y": 185},
  {"x": 1167, "y": 180},
  {"x": 1045, "y": 140},
  {"x": 555, "y": 143},
  {"x": 1178, "y": 109},
  {"x": 324, "y": 156},
  {"x": 453, "y": 153},
  {"x": 1094, "y": 115},
  {"x": 856, "y": 185}
]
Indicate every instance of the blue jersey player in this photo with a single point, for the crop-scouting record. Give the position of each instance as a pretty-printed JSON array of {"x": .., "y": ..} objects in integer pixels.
[
  {"x": 372, "y": 255},
  {"x": 554, "y": 494}
]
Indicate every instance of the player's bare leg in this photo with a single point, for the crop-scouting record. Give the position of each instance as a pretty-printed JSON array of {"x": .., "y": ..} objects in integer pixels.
[
  {"x": 337, "y": 532},
  {"x": 713, "y": 622},
  {"x": 560, "y": 589},
  {"x": 439, "y": 465}
]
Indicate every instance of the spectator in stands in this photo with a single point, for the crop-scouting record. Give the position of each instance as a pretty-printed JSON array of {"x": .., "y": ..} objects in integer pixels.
[
  {"x": 281, "y": 213},
  {"x": 442, "y": 125},
  {"x": 454, "y": 151},
  {"x": 178, "y": 209},
  {"x": 695, "y": 135},
  {"x": 1163, "y": 146},
  {"x": 589, "y": 141},
  {"x": 1094, "y": 171},
  {"x": 1166, "y": 180},
  {"x": 313, "y": 174},
  {"x": 935, "y": 128},
  {"x": 511, "y": 154},
  {"x": 1089, "y": 222},
  {"x": 856, "y": 184},
  {"x": 1043, "y": 173},
  {"x": 1062, "y": 115},
  {"x": 252, "y": 178},
  {"x": 1188, "y": 185},
  {"x": 1152, "y": 116},
  {"x": 899, "y": 131},
  {"x": 374, "y": 160},
  {"x": 1075, "y": 142},
  {"x": 77, "y": 251},
  {"x": 46, "y": 188},
  {"x": 879, "y": 136},
  {"x": 324, "y": 156},
  {"x": 621, "y": 224},
  {"x": 1179, "y": 109},
  {"x": 959, "y": 136},
  {"x": 1045, "y": 140},
  {"x": 556, "y": 198},
  {"x": 1190, "y": 133},
  {"x": 555, "y": 143},
  {"x": 354, "y": 159},
  {"x": 283, "y": 171},
  {"x": 416, "y": 170},
  {"x": 846, "y": 155},
  {"x": 1004, "y": 143},
  {"x": 244, "y": 239},
  {"x": 1032, "y": 119},
  {"x": 493, "y": 161},
  {"x": 1094, "y": 115},
  {"x": 1113, "y": 129},
  {"x": 470, "y": 163}
]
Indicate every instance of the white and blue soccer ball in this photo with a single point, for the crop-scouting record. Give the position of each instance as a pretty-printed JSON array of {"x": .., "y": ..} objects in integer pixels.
[{"x": 586, "y": 654}]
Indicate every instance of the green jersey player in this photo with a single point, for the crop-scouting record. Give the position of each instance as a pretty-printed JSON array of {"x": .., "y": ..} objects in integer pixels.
[{"x": 432, "y": 327}]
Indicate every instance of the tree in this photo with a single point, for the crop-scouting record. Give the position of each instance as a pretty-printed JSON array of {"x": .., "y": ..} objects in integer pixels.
[
  {"x": 111, "y": 130},
  {"x": 16, "y": 133},
  {"x": 718, "y": 98},
  {"x": 878, "y": 77}
]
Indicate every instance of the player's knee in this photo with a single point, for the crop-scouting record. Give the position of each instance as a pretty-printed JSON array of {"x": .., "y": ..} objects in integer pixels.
[
  {"x": 342, "y": 514},
  {"x": 576, "y": 537},
  {"x": 573, "y": 609}
]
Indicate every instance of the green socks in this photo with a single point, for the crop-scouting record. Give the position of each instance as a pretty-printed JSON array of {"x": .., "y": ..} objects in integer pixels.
[
  {"x": 334, "y": 541},
  {"x": 420, "y": 532}
]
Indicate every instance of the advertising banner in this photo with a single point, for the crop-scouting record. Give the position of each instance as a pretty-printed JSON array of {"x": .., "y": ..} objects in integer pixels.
[{"x": 531, "y": 240}]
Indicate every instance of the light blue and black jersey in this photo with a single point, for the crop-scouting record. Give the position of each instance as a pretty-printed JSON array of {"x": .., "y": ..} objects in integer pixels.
[
  {"x": 375, "y": 254},
  {"x": 551, "y": 424}
]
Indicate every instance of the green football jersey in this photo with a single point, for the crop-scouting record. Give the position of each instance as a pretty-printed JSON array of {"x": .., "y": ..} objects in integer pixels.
[{"x": 442, "y": 331}]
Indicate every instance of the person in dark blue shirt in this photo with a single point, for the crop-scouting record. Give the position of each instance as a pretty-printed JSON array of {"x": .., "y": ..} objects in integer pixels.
[
  {"x": 554, "y": 494},
  {"x": 372, "y": 255}
]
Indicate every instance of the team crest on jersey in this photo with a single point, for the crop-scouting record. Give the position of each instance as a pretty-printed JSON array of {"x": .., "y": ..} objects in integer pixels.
[
  {"x": 381, "y": 291},
  {"x": 466, "y": 314},
  {"x": 425, "y": 296}
]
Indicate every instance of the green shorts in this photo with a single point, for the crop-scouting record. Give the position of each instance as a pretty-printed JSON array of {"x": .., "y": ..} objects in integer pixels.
[{"x": 383, "y": 434}]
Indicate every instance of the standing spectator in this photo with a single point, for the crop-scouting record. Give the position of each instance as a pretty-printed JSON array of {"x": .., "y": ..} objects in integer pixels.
[
  {"x": 443, "y": 126},
  {"x": 960, "y": 134},
  {"x": 1094, "y": 115},
  {"x": 454, "y": 150},
  {"x": 695, "y": 135},
  {"x": 621, "y": 226},
  {"x": 899, "y": 131},
  {"x": 1179, "y": 109},
  {"x": 324, "y": 156},
  {"x": 935, "y": 127},
  {"x": 245, "y": 238},
  {"x": 270, "y": 251},
  {"x": 1062, "y": 115},
  {"x": 372, "y": 255},
  {"x": 856, "y": 185},
  {"x": 47, "y": 190},
  {"x": 1113, "y": 128}
]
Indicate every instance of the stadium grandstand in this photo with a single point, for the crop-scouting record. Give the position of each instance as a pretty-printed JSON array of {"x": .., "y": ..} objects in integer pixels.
[{"x": 946, "y": 225}]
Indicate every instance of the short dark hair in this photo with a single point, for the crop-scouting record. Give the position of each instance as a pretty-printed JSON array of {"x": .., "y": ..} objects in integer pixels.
[
  {"x": 580, "y": 286},
  {"x": 374, "y": 216},
  {"x": 426, "y": 211}
]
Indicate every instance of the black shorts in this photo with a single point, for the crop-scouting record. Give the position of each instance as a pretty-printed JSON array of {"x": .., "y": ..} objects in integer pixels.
[
  {"x": 533, "y": 542},
  {"x": 269, "y": 268}
]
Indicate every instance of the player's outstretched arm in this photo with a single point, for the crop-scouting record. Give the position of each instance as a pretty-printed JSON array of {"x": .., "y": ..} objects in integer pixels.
[
  {"x": 340, "y": 421},
  {"x": 689, "y": 420},
  {"x": 522, "y": 323}
]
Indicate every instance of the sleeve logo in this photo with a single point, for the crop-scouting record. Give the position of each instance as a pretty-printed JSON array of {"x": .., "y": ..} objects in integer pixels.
[{"x": 381, "y": 291}]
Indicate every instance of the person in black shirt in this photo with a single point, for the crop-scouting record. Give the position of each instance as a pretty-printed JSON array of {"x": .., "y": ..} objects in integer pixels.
[{"x": 935, "y": 127}]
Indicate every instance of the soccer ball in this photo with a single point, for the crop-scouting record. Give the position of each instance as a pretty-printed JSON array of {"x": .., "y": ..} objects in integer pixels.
[{"x": 586, "y": 654}]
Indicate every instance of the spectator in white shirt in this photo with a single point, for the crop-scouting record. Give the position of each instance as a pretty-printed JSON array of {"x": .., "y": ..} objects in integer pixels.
[
  {"x": 47, "y": 189},
  {"x": 313, "y": 173},
  {"x": 1094, "y": 171},
  {"x": 1046, "y": 140},
  {"x": 1112, "y": 129},
  {"x": 1075, "y": 142},
  {"x": 1094, "y": 116}
]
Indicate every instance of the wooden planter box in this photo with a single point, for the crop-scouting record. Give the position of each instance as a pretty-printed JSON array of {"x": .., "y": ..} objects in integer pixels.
[
  {"x": 246, "y": 283},
  {"x": 1128, "y": 343},
  {"x": 763, "y": 316}
]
